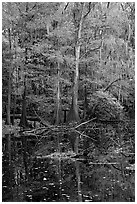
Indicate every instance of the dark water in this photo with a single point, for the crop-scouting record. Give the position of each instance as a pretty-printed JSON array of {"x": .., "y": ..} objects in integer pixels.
[{"x": 59, "y": 180}]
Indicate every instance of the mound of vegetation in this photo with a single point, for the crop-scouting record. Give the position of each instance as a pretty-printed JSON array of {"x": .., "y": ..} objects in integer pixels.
[{"x": 105, "y": 106}]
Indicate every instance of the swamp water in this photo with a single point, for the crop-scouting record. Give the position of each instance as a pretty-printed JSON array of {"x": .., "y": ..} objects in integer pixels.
[{"x": 56, "y": 178}]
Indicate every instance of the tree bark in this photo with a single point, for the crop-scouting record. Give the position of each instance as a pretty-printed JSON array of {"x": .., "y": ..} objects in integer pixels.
[
  {"x": 76, "y": 76},
  {"x": 8, "y": 136},
  {"x": 58, "y": 98},
  {"x": 9, "y": 101},
  {"x": 58, "y": 107},
  {"x": 73, "y": 114},
  {"x": 16, "y": 80},
  {"x": 9, "y": 83}
]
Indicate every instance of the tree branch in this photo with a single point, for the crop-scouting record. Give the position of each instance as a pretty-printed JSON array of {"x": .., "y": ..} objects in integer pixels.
[
  {"x": 108, "y": 5},
  {"x": 65, "y": 7},
  {"x": 102, "y": 163},
  {"x": 110, "y": 84},
  {"x": 115, "y": 167},
  {"x": 91, "y": 51},
  {"x": 89, "y": 9},
  {"x": 81, "y": 134},
  {"x": 41, "y": 120},
  {"x": 33, "y": 7},
  {"x": 114, "y": 141},
  {"x": 85, "y": 123}
]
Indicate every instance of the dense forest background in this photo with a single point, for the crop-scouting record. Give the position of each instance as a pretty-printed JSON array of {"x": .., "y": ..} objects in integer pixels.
[{"x": 68, "y": 100}]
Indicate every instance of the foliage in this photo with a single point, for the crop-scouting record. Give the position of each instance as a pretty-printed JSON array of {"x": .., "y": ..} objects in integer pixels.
[{"x": 104, "y": 106}]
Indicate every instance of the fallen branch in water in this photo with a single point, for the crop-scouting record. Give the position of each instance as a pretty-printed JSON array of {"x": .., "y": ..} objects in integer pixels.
[
  {"x": 114, "y": 141},
  {"x": 41, "y": 138},
  {"x": 85, "y": 123},
  {"x": 34, "y": 130},
  {"x": 81, "y": 134},
  {"x": 103, "y": 163}
]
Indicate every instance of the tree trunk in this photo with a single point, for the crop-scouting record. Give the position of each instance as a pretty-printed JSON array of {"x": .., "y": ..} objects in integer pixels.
[
  {"x": 85, "y": 103},
  {"x": 58, "y": 112},
  {"x": 76, "y": 75},
  {"x": 24, "y": 124},
  {"x": 58, "y": 98},
  {"x": 8, "y": 136},
  {"x": 73, "y": 114},
  {"x": 47, "y": 26},
  {"x": 16, "y": 80},
  {"x": 9, "y": 84},
  {"x": 23, "y": 120},
  {"x": 9, "y": 101}
]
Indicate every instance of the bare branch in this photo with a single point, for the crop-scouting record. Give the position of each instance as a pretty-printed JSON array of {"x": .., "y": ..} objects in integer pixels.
[
  {"x": 108, "y": 4},
  {"x": 96, "y": 48},
  {"x": 34, "y": 130},
  {"x": 103, "y": 163},
  {"x": 65, "y": 7},
  {"x": 114, "y": 141},
  {"x": 89, "y": 9},
  {"x": 33, "y": 7},
  {"x": 41, "y": 120},
  {"x": 110, "y": 84},
  {"x": 85, "y": 122},
  {"x": 81, "y": 134},
  {"x": 116, "y": 167},
  {"x": 122, "y": 7}
]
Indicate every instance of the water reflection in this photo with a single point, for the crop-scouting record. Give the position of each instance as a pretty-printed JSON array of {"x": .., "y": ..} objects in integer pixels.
[{"x": 57, "y": 178}]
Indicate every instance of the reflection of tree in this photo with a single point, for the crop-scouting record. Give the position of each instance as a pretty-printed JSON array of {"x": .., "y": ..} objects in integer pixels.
[
  {"x": 8, "y": 136},
  {"x": 59, "y": 177},
  {"x": 78, "y": 181}
]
